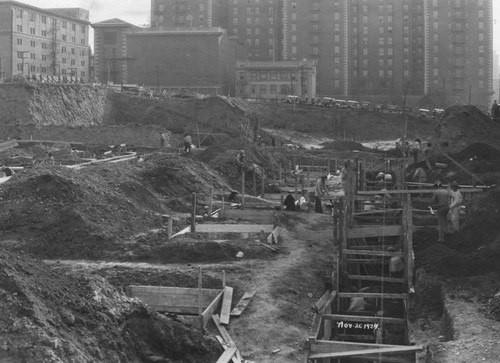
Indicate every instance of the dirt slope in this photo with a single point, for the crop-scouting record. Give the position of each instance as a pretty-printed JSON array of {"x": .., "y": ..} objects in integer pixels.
[{"x": 53, "y": 315}]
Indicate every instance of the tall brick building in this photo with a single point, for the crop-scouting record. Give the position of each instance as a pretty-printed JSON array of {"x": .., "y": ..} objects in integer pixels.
[{"x": 35, "y": 41}]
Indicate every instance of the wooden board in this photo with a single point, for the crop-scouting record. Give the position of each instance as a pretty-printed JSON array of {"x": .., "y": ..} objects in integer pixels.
[
  {"x": 321, "y": 302},
  {"x": 255, "y": 216},
  {"x": 225, "y": 335},
  {"x": 226, "y": 346},
  {"x": 376, "y": 278},
  {"x": 212, "y": 308},
  {"x": 226, "y": 305},
  {"x": 371, "y": 253},
  {"x": 9, "y": 144},
  {"x": 227, "y": 355},
  {"x": 364, "y": 319},
  {"x": 172, "y": 299},
  {"x": 243, "y": 303},
  {"x": 373, "y": 295},
  {"x": 374, "y": 231}
]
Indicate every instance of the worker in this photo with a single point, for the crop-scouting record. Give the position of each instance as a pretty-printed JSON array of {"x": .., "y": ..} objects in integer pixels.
[
  {"x": 455, "y": 204},
  {"x": 188, "y": 143},
  {"x": 240, "y": 157},
  {"x": 415, "y": 149},
  {"x": 429, "y": 156},
  {"x": 301, "y": 202},
  {"x": 396, "y": 263},
  {"x": 420, "y": 177},
  {"x": 441, "y": 202},
  {"x": 289, "y": 202},
  {"x": 495, "y": 110},
  {"x": 320, "y": 190},
  {"x": 232, "y": 197}
]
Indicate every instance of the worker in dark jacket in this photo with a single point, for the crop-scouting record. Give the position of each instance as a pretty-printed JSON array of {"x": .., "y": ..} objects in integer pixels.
[
  {"x": 441, "y": 202},
  {"x": 289, "y": 202}
]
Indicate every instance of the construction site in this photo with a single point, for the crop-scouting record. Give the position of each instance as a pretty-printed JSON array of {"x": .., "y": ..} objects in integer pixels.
[{"x": 134, "y": 229}]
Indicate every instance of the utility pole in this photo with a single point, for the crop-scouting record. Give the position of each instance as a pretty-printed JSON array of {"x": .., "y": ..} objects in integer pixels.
[{"x": 470, "y": 91}]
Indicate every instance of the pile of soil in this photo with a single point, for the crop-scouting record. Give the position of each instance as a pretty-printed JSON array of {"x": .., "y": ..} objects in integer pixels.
[
  {"x": 463, "y": 126},
  {"x": 54, "y": 315},
  {"x": 343, "y": 145},
  {"x": 65, "y": 213}
]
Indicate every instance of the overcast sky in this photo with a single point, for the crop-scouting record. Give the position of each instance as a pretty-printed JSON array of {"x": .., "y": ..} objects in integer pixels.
[{"x": 137, "y": 11}]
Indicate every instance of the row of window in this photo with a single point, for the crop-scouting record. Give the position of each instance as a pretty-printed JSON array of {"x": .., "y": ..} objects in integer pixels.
[
  {"x": 43, "y": 70},
  {"x": 44, "y": 33},
  {"x": 33, "y": 17},
  {"x": 46, "y": 46},
  {"x": 256, "y": 21},
  {"x": 64, "y": 60}
]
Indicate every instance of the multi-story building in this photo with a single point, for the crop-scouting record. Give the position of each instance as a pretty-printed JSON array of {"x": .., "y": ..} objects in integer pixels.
[
  {"x": 110, "y": 50},
  {"x": 184, "y": 13},
  {"x": 200, "y": 59},
  {"x": 258, "y": 24},
  {"x": 35, "y": 41},
  {"x": 275, "y": 80},
  {"x": 387, "y": 49}
]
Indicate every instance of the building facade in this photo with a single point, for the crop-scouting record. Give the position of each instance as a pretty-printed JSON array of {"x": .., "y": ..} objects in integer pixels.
[
  {"x": 44, "y": 42},
  {"x": 178, "y": 58},
  {"x": 110, "y": 50},
  {"x": 184, "y": 13},
  {"x": 386, "y": 50},
  {"x": 275, "y": 80}
]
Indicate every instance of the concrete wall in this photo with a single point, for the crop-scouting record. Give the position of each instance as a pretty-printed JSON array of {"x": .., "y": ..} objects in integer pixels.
[{"x": 136, "y": 135}]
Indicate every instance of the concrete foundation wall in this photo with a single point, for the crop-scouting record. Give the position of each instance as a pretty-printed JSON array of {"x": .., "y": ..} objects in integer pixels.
[{"x": 137, "y": 135}]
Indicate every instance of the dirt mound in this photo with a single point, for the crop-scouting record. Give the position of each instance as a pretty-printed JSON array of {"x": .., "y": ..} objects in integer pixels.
[
  {"x": 462, "y": 126},
  {"x": 179, "y": 176},
  {"x": 53, "y": 315},
  {"x": 343, "y": 145},
  {"x": 59, "y": 212}
]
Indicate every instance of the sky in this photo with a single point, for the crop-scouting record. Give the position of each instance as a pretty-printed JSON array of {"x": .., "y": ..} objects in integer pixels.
[{"x": 137, "y": 12}]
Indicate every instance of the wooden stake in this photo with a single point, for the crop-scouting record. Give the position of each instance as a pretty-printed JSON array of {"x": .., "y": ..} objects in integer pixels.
[
  {"x": 223, "y": 279},
  {"x": 242, "y": 188},
  {"x": 211, "y": 202},
  {"x": 193, "y": 214},
  {"x": 254, "y": 176},
  {"x": 169, "y": 228},
  {"x": 200, "y": 297},
  {"x": 263, "y": 182}
]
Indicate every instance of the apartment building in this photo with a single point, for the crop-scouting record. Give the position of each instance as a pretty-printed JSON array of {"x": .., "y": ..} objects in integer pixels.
[
  {"x": 35, "y": 41},
  {"x": 185, "y": 13},
  {"x": 390, "y": 50},
  {"x": 110, "y": 50}
]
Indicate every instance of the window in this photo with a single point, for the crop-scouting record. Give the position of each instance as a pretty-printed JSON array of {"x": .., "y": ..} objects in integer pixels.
[
  {"x": 73, "y": 27},
  {"x": 381, "y": 41},
  {"x": 263, "y": 89},
  {"x": 257, "y": 42},
  {"x": 110, "y": 37},
  {"x": 435, "y": 72},
  {"x": 44, "y": 45},
  {"x": 20, "y": 28},
  {"x": 64, "y": 24},
  {"x": 381, "y": 52},
  {"x": 82, "y": 53},
  {"x": 44, "y": 19},
  {"x": 436, "y": 37},
  {"x": 72, "y": 50},
  {"x": 481, "y": 72},
  {"x": 389, "y": 51},
  {"x": 481, "y": 84},
  {"x": 32, "y": 16},
  {"x": 20, "y": 55},
  {"x": 294, "y": 50},
  {"x": 33, "y": 69},
  {"x": 481, "y": 37},
  {"x": 249, "y": 31},
  {"x": 73, "y": 39},
  {"x": 274, "y": 89},
  {"x": 294, "y": 38},
  {"x": 32, "y": 31},
  {"x": 63, "y": 49},
  {"x": 63, "y": 60},
  {"x": 82, "y": 41},
  {"x": 73, "y": 62},
  {"x": 381, "y": 62},
  {"x": 19, "y": 14},
  {"x": 44, "y": 69},
  {"x": 44, "y": 57},
  {"x": 44, "y": 33},
  {"x": 19, "y": 41},
  {"x": 389, "y": 73},
  {"x": 33, "y": 56},
  {"x": 20, "y": 67},
  {"x": 63, "y": 37},
  {"x": 32, "y": 44},
  {"x": 249, "y": 21},
  {"x": 336, "y": 49},
  {"x": 381, "y": 73}
]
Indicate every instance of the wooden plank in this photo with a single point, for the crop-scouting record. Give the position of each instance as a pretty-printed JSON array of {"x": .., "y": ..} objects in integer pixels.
[
  {"x": 410, "y": 191},
  {"x": 371, "y": 253},
  {"x": 192, "y": 310},
  {"x": 226, "y": 346},
  {"x": 364, "y": 319},
  {"x": 256, "y": 216},
  {"x": 226, "y": 305},
  {"x": 9, "y": 144},
  {"x": 321, "y": 302},
  {"x": 376, "y": 278},
  {"x": 212, "y": 308},
  {"x": 379, "y": 352},
  {"x": 172, "y": 296},
  {"x": 367, "y": 261},
  {"x": 243, "y": 303},
  {"x": 374, "y": 231},
  {"x": 373, "y": 295},
  {"x": 227, "y": 355},
  {"x": 354, "y": 337},
  {"x": 236, "y": 228},
  {"x": 225, "y": 335}
]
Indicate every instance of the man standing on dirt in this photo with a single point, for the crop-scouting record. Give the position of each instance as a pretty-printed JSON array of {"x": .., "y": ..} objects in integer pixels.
[
  {"x": 429, "y": 156},
  {"x": 456, "y": 202},
  {"x": 415, "y": 149},
  {"x": 441, "y": 202},
  {"x": 320, "y": 190},
  {"x": 495, "y": 110}
]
